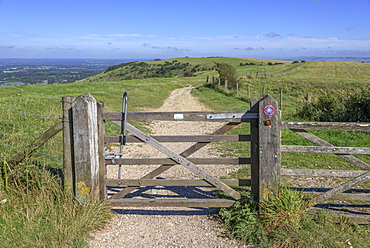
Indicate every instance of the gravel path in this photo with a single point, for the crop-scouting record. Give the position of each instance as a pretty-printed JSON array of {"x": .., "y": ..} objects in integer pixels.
[{"x": 167, "y": 227}]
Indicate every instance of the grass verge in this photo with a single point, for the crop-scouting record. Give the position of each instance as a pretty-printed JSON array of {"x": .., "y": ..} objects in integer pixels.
[{"x": 35, "y": 212}]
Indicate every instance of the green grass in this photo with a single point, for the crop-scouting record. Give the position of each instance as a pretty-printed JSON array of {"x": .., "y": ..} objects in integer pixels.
[{"x": 35, "y": 212}]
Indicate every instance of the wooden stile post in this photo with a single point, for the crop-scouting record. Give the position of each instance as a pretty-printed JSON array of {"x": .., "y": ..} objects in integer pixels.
[
  {"x": 67, "y": 138},
  {"x": 85, "y": 148},
  {"x": 265, "y": 148}
]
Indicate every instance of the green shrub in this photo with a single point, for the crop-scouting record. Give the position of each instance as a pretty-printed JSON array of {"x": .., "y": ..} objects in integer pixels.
[
  {"x": 352, "y": 108},
  {"x": 326, "y": 108}
]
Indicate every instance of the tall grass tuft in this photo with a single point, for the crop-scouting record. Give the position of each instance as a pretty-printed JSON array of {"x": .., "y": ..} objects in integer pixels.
[
  {"x": 283, "y": 211},
  {"x": 36, "y": 212},
  {"x": 283, "y": 221}
]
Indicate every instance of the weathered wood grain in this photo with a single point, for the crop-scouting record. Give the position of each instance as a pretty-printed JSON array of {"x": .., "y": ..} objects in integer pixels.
[
  {"x": 143, "y": 161},
  {"x": 340, "y": 126},
  {"x": 67, "y": 143},
  {"x": 85, "y": 148},
  {"x": 198, "y": 203},
  {"x": 326, "y": 149},
  {"x": 182, "y": 138},
  {"x": 101, "y": 148},
  {"x": 321, "y": 173},
  {"x": 265, "y": 149},
  {"x": 343, "y": 187},
  {"x": 187, "y": 116},
  {"x": 173, "y": 182}
]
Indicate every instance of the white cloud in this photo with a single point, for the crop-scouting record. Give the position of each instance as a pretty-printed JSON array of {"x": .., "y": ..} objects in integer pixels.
[{"x": 125, "y": 35}]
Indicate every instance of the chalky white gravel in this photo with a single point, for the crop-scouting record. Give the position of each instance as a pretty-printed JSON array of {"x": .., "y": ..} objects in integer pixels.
[{"x": 168, "y": 227}]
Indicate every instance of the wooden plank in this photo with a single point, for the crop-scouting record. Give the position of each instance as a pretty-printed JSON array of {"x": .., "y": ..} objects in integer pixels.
[
  {"x": 326, "y": 149},
  {"x": 173, "y": 182},
  {"x": 198, "y": 203},
  {"x": 357, "y": 197},
  {"x": 186, "y": 116},
  {"x": 183, "y": 161},
  {"x": 85, "y": 148},
  {"x": 265, "y": 148},
  {"x": 340, "y": 126},
  {"x": 343, "y": 187},
  {"x": 349, "y": 158},
  {"x": 35, "y": 144},
  {"x": 67, "y": 144},
  {"x": 153, "y": 161},
  {"x": 362, "y": 219},
  {"x": 192, "y": 149},
  {"x": 321, "y": 173},
  {"x": 101, "y": 148},
  {"x": 183, "y": 138}
]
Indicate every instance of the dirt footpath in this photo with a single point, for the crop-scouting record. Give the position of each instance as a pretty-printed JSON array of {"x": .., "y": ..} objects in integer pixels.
[{"x": 167, "y": 227}]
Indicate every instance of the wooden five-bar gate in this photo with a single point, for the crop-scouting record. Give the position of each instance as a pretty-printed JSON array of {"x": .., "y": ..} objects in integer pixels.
[{"x": 90, "y": 160}]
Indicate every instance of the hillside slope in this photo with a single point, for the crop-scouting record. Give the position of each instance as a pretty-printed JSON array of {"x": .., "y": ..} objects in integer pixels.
[{"x": 180, "y": 67}]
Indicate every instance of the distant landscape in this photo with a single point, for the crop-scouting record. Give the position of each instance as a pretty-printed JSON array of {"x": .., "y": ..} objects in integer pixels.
[
  {"x": 51, "y": 71},
  {"x": 18, "y": 71}
]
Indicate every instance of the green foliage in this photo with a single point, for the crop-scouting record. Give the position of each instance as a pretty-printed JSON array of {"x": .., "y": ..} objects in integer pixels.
[
  {"x": 154, "y": 69},
  {"x": 326, "y": 108},
  {"x": 254, "y": 224},
  {"x": 227, "y": 72},
  {"x": 243, "y": 222},
  {"x": 353, "y": 108}
]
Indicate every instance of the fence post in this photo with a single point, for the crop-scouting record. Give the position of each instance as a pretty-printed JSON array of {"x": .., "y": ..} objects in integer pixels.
[
  {"x": 101, "y": 147},
  {"x": 265, "y": 148},
  {"x": 67, "y": 138},
  {"x": 85, "y": 148}
]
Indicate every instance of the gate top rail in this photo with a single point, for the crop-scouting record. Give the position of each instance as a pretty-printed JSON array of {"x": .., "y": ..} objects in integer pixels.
[
  {"x": 339, "y": 126},
  {"x": 213, "y": 116}
]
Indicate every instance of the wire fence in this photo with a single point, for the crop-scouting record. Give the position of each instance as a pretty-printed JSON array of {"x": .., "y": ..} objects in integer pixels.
[{"x": 24, "y": 117}]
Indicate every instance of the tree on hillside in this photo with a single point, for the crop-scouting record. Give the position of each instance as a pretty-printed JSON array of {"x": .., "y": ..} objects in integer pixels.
[{"x": 227, "y": 72}]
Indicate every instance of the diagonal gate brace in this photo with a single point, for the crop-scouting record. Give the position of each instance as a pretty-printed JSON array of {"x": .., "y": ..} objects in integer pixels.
[
  {"x": 183, "y": 161},
  {"x": 185, "y": 153}
]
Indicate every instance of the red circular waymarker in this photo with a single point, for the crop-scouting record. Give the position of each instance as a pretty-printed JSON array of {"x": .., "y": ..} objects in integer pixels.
[{"x": 269, "y": 110}]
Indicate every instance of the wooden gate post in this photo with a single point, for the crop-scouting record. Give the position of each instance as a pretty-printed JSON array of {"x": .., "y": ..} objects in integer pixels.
[
  {"x": 67, "y": 149},
  {"x": 265, "y": 148},
  {"x": 85, "y": 148}
]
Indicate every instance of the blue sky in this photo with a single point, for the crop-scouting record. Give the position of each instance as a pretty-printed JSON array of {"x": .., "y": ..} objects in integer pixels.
[{"x": 148, "y": 29}]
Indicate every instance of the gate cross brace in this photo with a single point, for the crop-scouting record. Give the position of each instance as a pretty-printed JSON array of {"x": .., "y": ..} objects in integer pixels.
[
  {"x": 179, "y": 159},
  {"x": 349, "y": 158}
]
